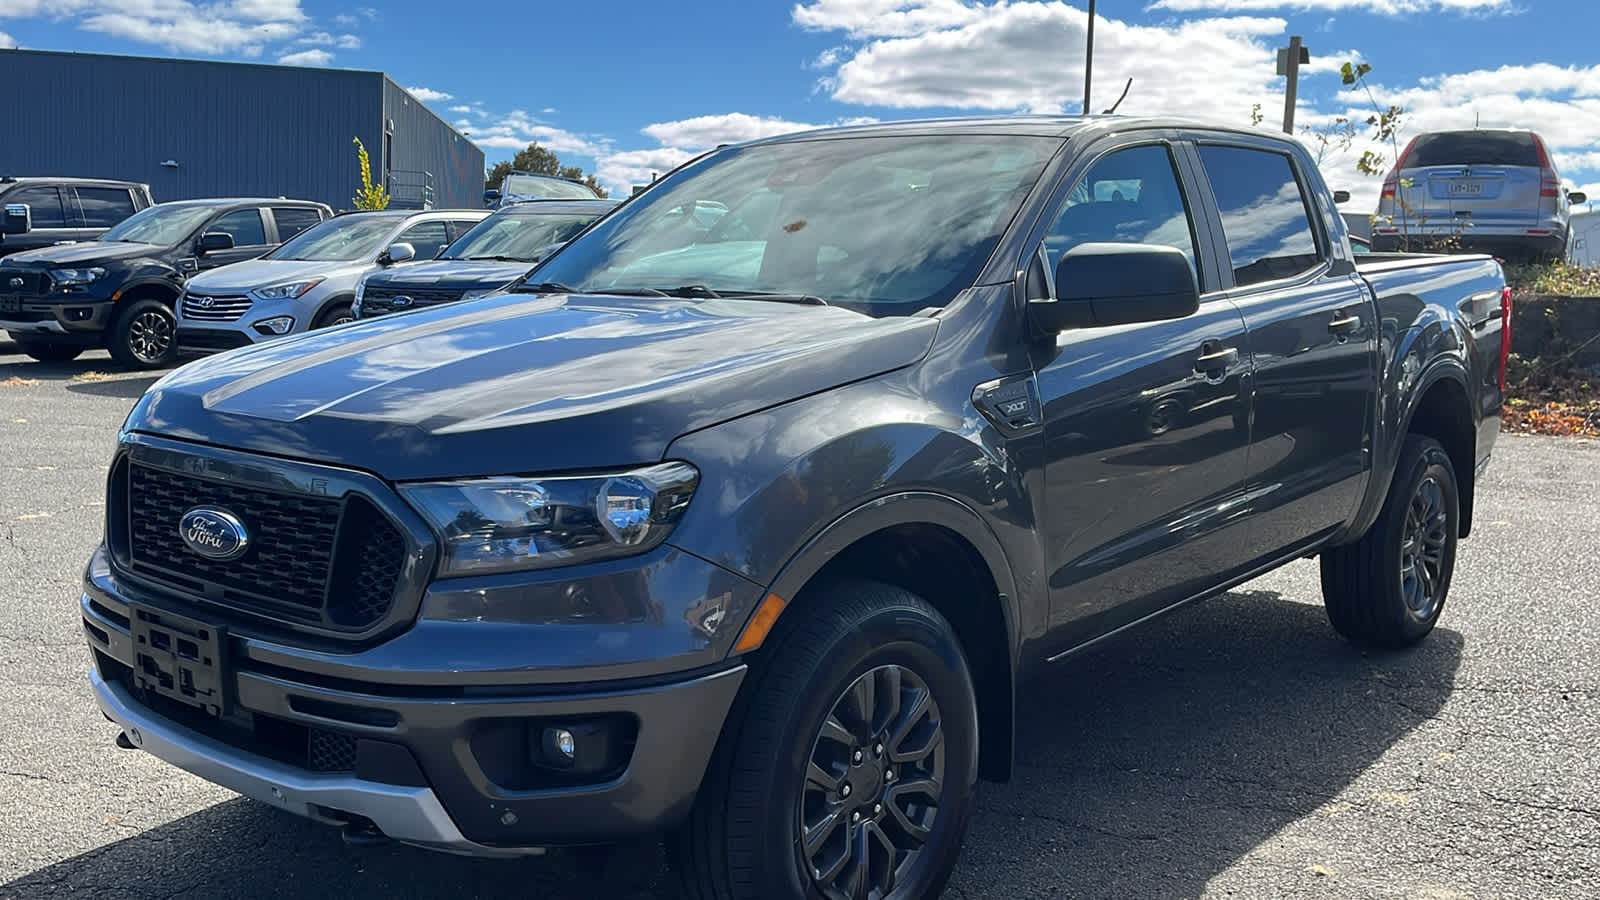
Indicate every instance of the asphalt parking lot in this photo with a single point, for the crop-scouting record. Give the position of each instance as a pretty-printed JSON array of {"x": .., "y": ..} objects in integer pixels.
[{"x": 1235, "y": 749}]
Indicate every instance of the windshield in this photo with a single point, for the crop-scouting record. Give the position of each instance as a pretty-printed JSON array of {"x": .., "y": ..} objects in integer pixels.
[
  {"x": 161, "y": 224},
  {"x": 340, "y": 239},
  {"x": 545, "y": 188},
  {"x": 882, "y": 225},
  {"x": 517, "y": 237}
]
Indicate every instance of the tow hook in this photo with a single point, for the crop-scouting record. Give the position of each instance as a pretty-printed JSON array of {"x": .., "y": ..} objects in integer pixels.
[
  {"x": 123, "y": 741},
  {"x": 363, "y": 834}
]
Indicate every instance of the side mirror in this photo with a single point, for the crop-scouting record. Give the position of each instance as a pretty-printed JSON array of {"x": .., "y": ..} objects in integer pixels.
[
  {"x": 1572, "y": 197},
  {"x": 18, "y": 219},
  {"x": 397, "y": 253},
  {"x": 212, "y": 241},
  {"x": 1341, "y": 196},
  {"x": 491, "y": 197},
  {"x": 1117, "y": 284}
]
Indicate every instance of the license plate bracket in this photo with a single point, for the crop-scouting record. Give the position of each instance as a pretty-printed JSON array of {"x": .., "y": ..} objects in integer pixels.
[{"x": 179, "y": 658}]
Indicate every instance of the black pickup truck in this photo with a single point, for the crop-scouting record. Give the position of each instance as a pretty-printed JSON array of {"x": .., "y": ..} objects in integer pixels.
[
  {"x": 747, "y": 533},
  {"x": 46, "y": 211}
]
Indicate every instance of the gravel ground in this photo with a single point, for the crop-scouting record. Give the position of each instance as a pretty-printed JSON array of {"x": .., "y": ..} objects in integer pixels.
[{"x": 1233, "y": 749}]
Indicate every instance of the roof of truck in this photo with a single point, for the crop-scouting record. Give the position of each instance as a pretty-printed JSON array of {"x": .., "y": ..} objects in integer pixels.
[{"x": 1041, "y": 126}]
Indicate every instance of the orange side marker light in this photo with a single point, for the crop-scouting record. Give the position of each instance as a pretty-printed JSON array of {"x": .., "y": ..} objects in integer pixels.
[{"x": 761, "y": 623}]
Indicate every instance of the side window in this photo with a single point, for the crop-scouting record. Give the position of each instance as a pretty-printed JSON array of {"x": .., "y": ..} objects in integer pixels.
[
  {"x": 294, "y": 219},
  {"x": 244, "y": 225},
  {"x": 44, "y": 206},
  {"x": 1264, "y": 215},
  {"x": 104, "y": 207},
  {"x": 429, "y": 238},
  {"x": 1129, "y": 196},
  {"x": 458, "y": 227}
]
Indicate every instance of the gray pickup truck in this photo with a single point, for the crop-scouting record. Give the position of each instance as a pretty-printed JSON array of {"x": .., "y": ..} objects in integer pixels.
[{"x": 745, "y": 530}]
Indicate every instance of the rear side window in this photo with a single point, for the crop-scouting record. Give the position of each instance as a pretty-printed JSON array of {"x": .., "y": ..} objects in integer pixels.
[
  {"x": 294, "y": 219},
  {"x": 1264, "y": 216},
  {"x": 104, "y": 207},
  {"x": 44, "y": 205},
  {"x": 1474, "y": 148},
  {"x": 244, "y": 225}
]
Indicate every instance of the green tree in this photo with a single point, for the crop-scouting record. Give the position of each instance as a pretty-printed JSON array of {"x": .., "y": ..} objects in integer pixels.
[
  {"x": 538, "y": 161},
  {"x": 370, "y": 196}
]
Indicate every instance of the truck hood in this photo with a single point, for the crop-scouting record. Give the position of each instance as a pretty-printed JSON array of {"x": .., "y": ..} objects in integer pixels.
[
  {"x": 521, "y": 384},
  {"x": 462, "y": 273},
  {"x": 255, "y": 273},
  {"x": 84, "y": 253}
]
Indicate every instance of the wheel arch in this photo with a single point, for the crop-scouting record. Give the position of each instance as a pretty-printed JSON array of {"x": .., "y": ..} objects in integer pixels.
[
  {"x": 343, "y": 298},
  {"x": 940, "y": 549},
  {"x": 1442, "y": 410}
]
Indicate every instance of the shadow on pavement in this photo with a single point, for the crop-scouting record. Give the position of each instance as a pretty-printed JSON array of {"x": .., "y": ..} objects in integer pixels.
[
  {"x": 126, "y": 388},
  {"x": 1144, "y": 769}
]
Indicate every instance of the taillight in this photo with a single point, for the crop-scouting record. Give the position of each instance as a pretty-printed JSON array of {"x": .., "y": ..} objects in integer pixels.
[
  {"x": 1505, "y": 334},
  {"x": 1391, "y": 184},
  {"x": 1549, "y": 181}
]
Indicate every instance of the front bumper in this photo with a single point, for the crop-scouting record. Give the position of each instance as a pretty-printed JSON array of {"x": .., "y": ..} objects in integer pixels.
[
  {"x": 437, "y": 758},
  {"x": 64, "y": 320}
]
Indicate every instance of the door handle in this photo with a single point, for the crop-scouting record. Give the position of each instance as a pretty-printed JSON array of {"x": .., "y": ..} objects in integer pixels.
[
  {"x": 1216, "y": 360},
  {"x": 1344, "y": 324}
]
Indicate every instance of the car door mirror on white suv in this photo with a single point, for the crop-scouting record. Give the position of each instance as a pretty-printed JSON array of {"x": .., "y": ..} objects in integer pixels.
[
  {"x": 1577, "y": 197},
  {"x": 397, "y": 253}
]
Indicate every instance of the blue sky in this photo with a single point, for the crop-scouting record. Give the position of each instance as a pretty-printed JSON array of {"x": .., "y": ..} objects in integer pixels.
[{"x": 627, "y": 87}]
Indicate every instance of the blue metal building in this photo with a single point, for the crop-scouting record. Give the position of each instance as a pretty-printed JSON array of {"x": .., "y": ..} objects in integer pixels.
[{"x": 193, "y": 128}]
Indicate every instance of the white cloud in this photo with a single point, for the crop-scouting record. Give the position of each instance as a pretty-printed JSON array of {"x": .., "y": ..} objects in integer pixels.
[
  {"x": 239, "y": 26},
  {"x": 316, "y": 39},
  {"x": 701, "y": 132},
  {"x": 549, "y": 110},
  {"x": 306, "y": 58},
  {"x": 518, "y": 129},
  {"x": 428, "y": 95},
  {"x": 345, "y": 20},
  {"x": 1381, "y": 7},
  {"x": 349, "y": 42},
  {"x": 619, "y": 172},
  {"x": 461, "y": 109},
  {"x": 7, "y": 41},
  {"x": 884, "y": 18}
]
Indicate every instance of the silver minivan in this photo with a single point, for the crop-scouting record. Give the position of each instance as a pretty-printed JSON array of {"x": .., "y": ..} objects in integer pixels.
[
  {"x": 310, "y": 281},
  {"x": 1483, "y": 189}
]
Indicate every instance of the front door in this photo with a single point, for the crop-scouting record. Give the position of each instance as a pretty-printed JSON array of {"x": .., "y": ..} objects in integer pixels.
[
  {"x": 1146, "y": 426},
  {"x": 1313, "y": 348},
  {"x": 249, "y": 235}
]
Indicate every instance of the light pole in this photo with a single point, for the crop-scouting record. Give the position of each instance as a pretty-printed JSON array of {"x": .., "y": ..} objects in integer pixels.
[
  {"x": 1088, "y": 60},
  {"x": 1290, "y": 59}
]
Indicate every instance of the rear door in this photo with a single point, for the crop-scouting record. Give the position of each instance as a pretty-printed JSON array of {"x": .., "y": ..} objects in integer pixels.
[
  {"x": 291, "y": 220},
  {"x": 428, "y": 238},
  {"x": 54, "y": 214},
  {"x": 100, "y": 208},
  {"x": 1477, "y": 178},
  {"x": 1146, "y": 426},
  {"x": 1312, "y": 344}
]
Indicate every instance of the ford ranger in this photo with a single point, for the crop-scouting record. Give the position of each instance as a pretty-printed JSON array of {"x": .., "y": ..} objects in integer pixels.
[{"x": 746, "y": 534}]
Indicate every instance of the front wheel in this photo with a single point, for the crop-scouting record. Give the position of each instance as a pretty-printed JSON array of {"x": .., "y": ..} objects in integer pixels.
[
  {"x": 848, "y": 765},
  {"x": 1388, "y": 589},
  {"x": 336, "y": 315},
  {"x": 141, "y": 337}
]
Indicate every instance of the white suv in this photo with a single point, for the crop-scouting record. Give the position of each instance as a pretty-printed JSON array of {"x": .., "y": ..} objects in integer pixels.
[{"x": 310, "y": 281}]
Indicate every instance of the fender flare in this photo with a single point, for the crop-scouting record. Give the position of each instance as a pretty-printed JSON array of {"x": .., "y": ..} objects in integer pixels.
[{"x": 346, "y": 298}]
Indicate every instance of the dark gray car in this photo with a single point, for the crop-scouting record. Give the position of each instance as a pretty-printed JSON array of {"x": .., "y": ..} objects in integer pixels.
[{"x": 745, "y": 527}]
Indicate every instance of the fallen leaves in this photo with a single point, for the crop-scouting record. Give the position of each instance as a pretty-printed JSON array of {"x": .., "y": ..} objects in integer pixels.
[
  {"x": 18, "y": 381},
  {"x": 1553, "y": 418},
  {"x": 93, "y": 376}
]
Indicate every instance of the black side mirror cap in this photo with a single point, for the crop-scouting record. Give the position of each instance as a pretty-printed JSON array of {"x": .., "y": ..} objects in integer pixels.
[
  {"x": 1341, "y": 196},
  {"x": 1104, "y": 284},
  {"x": 491, "y": 196},
  {"x": 18, "y": 219},
  {"x": 212, "y": 241},
  {"x": 1577, "y": 197}
]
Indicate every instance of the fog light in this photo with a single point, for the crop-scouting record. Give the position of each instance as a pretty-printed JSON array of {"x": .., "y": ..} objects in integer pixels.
[
  {"x": 79, "y": 314},
  {"x": 582, "y": 748},
  {"x": 562, "y": 740},
  {"x": 275, "y": 325}
]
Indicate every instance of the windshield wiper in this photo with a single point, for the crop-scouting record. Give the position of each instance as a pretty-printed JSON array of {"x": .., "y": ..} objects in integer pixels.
[
  {"x": 542, "y": 287},
  {"x": 497, "y": 259},
  {"x": 802, "y": 299},
  {"x": 693, "y": 290}
]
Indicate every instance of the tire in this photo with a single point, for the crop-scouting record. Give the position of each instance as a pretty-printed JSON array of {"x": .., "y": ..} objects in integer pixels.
[
  {"x": 1378, "y": 591},
  {"x": 143, "y": 335},
  {"x": 337, "y": 314},
  {"x": 51, "y": 353},
  {"x": 744, "y": 838}
]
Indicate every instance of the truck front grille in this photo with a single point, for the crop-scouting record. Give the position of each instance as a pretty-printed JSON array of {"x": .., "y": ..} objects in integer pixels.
[
  {"x": 376, "y": 299},
  {"x": 209, "y": 308},
  {"x": 31, "y": 284},
  {"x": 332, "y": 563}
]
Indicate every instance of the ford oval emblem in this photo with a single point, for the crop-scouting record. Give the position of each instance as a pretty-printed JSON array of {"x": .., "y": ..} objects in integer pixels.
[
  {"x": 213, "y": 533},
  {"x": 400, "y": 302}
]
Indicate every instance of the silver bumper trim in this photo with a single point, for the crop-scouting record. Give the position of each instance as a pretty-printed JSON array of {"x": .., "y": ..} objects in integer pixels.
[
  {"x": 51, "y": 326},
  {"x": 411, "y": 815}
]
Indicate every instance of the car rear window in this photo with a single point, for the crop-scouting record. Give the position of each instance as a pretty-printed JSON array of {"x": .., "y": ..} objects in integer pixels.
[{"x": 1474, "y": 148}]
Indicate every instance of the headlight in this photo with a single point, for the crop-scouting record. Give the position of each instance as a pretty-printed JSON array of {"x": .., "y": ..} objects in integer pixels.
[
  {"x": 71, "y": 278},
  {"x": 285, "y": 291},
  {"x": 509, "y": 524},
  {"x": 275, "y": 325}
]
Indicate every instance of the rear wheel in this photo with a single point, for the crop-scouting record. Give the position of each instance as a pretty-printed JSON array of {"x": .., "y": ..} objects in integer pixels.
[
  {"x": 53, "y": 353},
  {"x": 1388, "y": 588},
  {"x": 847, "y": 768},
  {"x": 141, "y": 336},
  {"x": 334, "y": 315}
]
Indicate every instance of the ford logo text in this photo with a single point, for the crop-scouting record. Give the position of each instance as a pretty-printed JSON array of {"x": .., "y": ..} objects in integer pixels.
[{"x": 213, "y": 533}]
